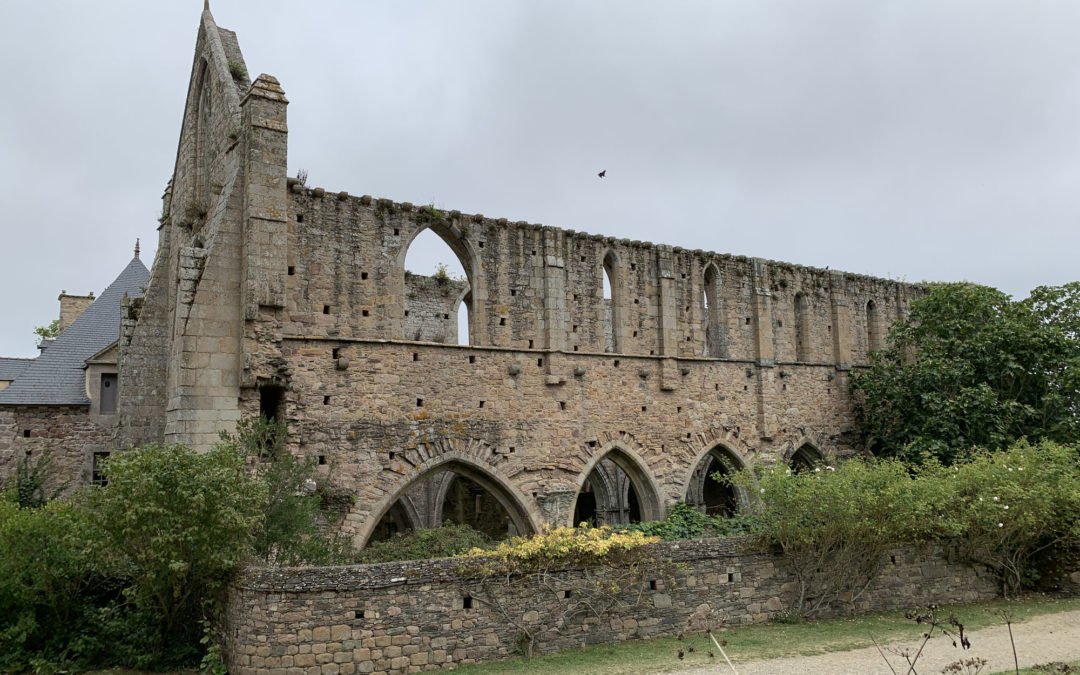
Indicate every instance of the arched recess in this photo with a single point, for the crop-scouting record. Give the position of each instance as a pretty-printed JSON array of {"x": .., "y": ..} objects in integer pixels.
[
  {"x": 803, "y": 351},
  {"x": 873, "y": 328},
  {"x": 715, "y": 497},
  {"x": 466, "y": 256},
  {"x": 464, "y": 302},
  {"x": 508, "y": 497},
  {"x": 805, "y": 458},
  {"x": 400, "y": 517},
  {"x": 715, "y": 322},
  {"x": 204, "y": 111},
  {"x": 622, "y": 486},
  {"x": 612, "y": 308}
]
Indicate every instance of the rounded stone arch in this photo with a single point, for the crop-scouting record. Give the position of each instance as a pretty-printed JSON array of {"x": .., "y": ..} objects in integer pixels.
[
  {"x": 641, "y": 477},
  {"x": 471, "y": 459},
  {"x": 469, "y": 259}
]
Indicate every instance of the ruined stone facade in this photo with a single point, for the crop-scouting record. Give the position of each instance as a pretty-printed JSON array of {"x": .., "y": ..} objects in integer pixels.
[{"x": 269, "y": 296}]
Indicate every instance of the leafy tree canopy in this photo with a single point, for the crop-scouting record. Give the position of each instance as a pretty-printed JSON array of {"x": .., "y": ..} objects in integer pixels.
[{"x": 969, "y": 368}]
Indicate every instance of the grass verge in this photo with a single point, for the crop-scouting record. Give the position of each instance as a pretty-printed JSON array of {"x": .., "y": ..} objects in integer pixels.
[{"x": 751, "y": 643}]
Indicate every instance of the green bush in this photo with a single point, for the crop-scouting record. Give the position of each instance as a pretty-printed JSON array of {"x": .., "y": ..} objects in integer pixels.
[
  {"x": 422, "y": 543},
  {"x": 1004, "y": 508},
  {"x": 176, "y": 523},
  {"x": 686, "y": 522},
  {"x": 834, "y": 525},
  {"x": 288, "y": 532}
]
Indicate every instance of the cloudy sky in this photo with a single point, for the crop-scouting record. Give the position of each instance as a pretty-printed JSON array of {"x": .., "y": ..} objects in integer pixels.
[{"x": 916, "y": 140}]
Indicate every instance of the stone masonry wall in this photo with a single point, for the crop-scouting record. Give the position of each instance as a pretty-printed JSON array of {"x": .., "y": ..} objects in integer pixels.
[
  {"x": 431, "y": 308},
  {"x": 413, "y": 616},
  {"x": 69, "y": 435},
  {"x": 384, "y": 414}
]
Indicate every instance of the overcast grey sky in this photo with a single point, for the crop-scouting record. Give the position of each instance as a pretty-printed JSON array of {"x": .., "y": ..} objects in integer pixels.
[{"x": 935, "y": 139}]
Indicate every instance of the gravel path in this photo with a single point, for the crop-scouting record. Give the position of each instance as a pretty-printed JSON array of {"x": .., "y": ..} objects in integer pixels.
[{"x": 1050, "y": 637}]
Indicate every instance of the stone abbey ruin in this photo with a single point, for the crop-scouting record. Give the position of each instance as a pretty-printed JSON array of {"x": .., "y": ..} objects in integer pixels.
[{"x": 268, "y": 296}]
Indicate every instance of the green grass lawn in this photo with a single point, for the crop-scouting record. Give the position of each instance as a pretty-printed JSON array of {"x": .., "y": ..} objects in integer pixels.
[{"x": 763, "y": 641}]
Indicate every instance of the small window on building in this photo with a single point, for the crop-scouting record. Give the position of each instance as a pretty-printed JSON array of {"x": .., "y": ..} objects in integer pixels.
[
  {"x": 97, "y": 470},
  {"x": 108, "y": 393}
]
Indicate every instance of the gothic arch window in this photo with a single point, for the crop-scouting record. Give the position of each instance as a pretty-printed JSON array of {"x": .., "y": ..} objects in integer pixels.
[
  {"x": 438, "y": 287},
  {"x": 458, "y": 492},
  {"x": 704, "y": 491},
  {"x": 802, "y": 328},
  {"x": 873, "y": 327},
  {"x": 611, "y": 303},
  {"x": 715, "y": 328},
  {"x": 617, "y": 490}
]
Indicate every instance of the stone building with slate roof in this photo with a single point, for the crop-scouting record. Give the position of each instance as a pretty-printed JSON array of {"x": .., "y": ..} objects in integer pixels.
[{"x": 64, "y": 402}]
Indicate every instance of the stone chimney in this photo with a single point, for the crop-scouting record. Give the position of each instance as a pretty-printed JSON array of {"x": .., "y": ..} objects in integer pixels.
[{"x": 71, "y": 307}]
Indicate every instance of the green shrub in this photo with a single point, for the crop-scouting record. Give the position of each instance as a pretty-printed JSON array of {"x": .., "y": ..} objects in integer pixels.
[
  {"x": 288, "y": 532},
  {"x": 26, "y": 487},
  {"x": 1003, "y": 508},
  {"x": 422, "y": 543},
  {"x": 834, "y": 525},
  {"x": 686, "y": 522},
  {"x": 177, "y": 523}
]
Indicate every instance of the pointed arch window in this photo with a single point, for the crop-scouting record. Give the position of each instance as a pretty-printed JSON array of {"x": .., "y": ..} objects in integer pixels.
[
  {"x": 873, "y": 327},
  {"x": 802, "y": 328},
  {"x": 611, "y": 302},
  {"x": 715, "y": 325}
]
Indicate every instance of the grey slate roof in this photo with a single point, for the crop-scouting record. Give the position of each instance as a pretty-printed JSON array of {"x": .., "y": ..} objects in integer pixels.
[
  {"x": 56, "y": 376},
  {"x": 10, "y": 367}
]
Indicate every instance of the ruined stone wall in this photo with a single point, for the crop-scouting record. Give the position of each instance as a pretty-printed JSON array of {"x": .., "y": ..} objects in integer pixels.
[
  {"x": 397, "y": 409},
  {"x": 431, "y": 308},
  {"x": 395, "y": 617},
  {"x": 541, "y": 287},
  {"x": 67, "y": 434}
]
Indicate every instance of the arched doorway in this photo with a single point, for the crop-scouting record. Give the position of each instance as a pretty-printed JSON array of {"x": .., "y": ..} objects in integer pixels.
[
  {"x": 705, "y": 492},
  {"x": 806, "y": 458},
  {"x": 617, "y": 490}
]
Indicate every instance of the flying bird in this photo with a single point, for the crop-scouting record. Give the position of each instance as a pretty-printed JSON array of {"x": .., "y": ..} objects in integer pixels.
[{"x": 602, "y": 173}]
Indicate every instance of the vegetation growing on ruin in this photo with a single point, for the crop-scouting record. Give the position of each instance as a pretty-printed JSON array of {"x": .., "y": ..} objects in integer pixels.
[
  {"x": 424, "y": 543},
  {"x": 688, "y": 522},
  {"x": 971, "y": 368},
  {"x": 237, "y": 70},
  {"x": 614, "y": 572},
  {"x": 835, "y": 526}
]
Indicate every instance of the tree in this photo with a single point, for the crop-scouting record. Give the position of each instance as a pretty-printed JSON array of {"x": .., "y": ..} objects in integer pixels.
[
  {"x": 47, "y": 332},
  {"x": 972, "y": 368},
  {"x": 178, "y": 522}
]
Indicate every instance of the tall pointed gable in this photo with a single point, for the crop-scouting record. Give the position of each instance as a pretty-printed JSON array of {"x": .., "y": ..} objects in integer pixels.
[
  {"x": 221, "y": 260},
  {"x": 218, "y": 80}
]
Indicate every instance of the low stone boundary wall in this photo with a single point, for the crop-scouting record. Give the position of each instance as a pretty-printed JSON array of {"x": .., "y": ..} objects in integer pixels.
[{"x": 422, "y": 615}]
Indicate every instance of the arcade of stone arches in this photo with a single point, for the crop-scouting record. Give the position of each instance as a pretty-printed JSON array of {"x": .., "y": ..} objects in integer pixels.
[{"x": 617, "y": 490}]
